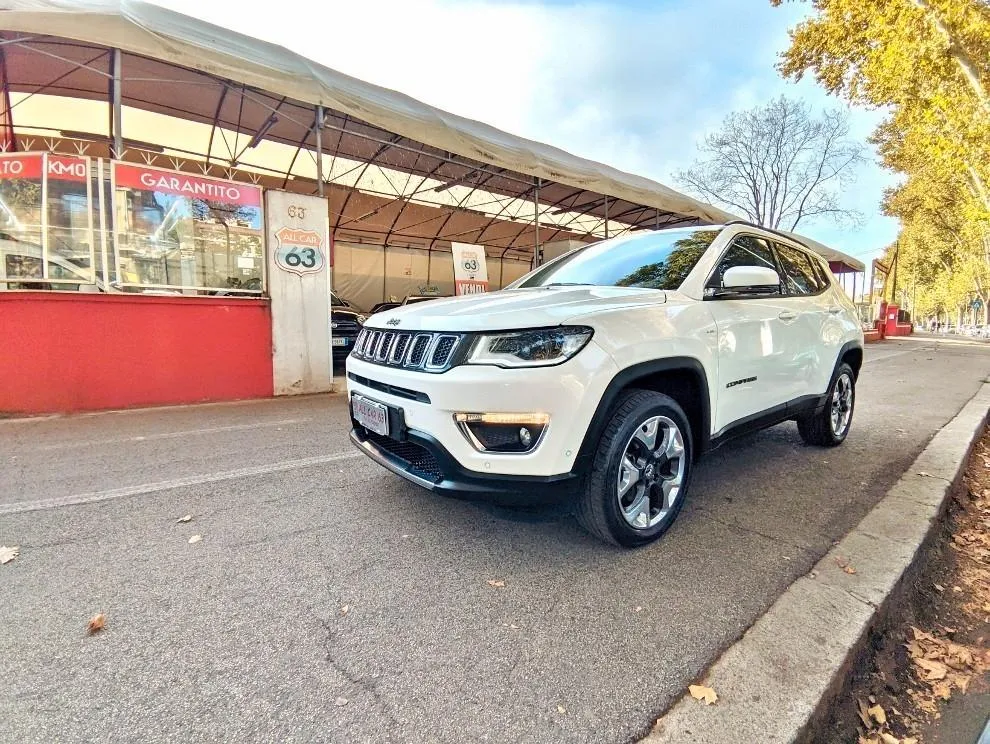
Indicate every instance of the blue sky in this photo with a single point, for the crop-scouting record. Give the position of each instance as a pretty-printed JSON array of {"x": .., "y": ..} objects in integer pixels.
[{"x": 631, "y": 83}]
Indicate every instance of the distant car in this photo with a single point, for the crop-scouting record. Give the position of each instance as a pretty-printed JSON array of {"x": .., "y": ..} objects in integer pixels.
[{"x": 346, "y": 322}]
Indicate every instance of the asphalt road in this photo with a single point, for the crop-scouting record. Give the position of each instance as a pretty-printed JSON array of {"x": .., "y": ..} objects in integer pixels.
[{"x": 330, "y": 601}]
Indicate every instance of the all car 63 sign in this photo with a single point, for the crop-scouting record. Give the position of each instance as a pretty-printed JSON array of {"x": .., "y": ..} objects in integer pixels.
[{"x": 299, "y": 251}]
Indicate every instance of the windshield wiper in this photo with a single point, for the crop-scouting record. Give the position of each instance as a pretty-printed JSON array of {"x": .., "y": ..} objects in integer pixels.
[{"x": 568, "y": 284}]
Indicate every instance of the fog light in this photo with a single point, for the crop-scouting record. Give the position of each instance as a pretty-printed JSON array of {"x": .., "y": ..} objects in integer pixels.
[{"x": 503, "y": 432}]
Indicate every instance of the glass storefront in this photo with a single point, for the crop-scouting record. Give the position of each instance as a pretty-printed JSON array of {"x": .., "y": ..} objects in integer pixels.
[{"x": 76, "y": 223}]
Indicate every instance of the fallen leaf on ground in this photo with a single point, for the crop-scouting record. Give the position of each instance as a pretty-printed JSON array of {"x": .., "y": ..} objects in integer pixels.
[
  {"x": 497, "y": 583},
  {"x": 183, "y": 520},
  {"x": 933, "y": 669},
  {"x": 939, "y": 587},
  {"x": 844, "y": 564},
  {"x": 878, "y": 714},
  {"x": 942, "y": 690},
  {"x": 340, "y": 702},
  {"x": 700, "y": 692},
  {"x": 889, "y": 738},
  {"x": 923, "y": 474},
  {"x": 561, "y": 709},
  {"x": 864, "y": 713},
  {"x": 96, "y": 623},
  {"x": 9, "y": 554},
  {"x": 195, "y": 539},
  {"x": 345, "y": 609}
]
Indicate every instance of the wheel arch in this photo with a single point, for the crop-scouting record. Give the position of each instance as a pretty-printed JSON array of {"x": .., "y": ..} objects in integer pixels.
[
  {"x": 852, "y": 354},
  {"x": 682, "y": 378}
]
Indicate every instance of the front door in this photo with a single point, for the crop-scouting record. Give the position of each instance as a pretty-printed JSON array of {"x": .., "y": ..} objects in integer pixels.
[{"x": 757, "y": 339}]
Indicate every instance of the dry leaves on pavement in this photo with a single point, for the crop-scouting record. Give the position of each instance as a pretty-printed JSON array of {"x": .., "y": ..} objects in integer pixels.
[
  {"x": 875, "y": 729},
  {"x": 497, "y": 583},
  {"x": 195, "y": 539},
  {"x": 9, "y": 554},
  {"x": 183, "y": 520},
  {"x": 942, "y": 666},
  {"x": 705, "y": 694},
  {"x": 845, "y": 565},
  {"x": 96, "y": 623}
]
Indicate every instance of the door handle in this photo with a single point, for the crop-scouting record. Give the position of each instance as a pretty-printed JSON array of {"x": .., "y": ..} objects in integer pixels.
[
  {"x": 787, "y": 315},
  {"x": 835, "y": 310}
]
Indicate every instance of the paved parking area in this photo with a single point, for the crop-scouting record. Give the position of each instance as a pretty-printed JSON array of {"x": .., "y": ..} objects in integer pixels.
[{"x": 330, "y": 601}]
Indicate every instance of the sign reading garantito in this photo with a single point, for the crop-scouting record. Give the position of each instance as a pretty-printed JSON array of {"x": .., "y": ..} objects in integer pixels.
[{"x": 299, "y": 251}]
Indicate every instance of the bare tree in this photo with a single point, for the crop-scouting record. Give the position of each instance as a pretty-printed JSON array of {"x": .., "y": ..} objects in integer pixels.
[{"x": 778, "y": 164}]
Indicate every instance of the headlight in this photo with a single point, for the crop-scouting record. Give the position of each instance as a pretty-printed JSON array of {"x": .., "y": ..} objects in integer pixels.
[
  {"x": 362, "y": 319},
  {"x": 538, "y": 348}
]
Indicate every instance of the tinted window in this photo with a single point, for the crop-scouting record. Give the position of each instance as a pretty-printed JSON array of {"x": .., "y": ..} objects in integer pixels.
[
  {"x": 655, "y": 260},
  {"x": 744, "y": 251},
  {"x": 798, "y": 275}
]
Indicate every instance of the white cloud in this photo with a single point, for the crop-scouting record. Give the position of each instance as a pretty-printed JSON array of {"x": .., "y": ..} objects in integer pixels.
[{"x": 635, "y": 85}]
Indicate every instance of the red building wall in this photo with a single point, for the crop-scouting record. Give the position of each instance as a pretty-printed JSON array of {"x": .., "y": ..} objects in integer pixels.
[{"x": 83, "y": 352}]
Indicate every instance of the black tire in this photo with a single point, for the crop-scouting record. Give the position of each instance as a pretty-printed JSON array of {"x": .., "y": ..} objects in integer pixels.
[
  {"x": 598, "y": 507},
  {"x": 818, "y": 428}
]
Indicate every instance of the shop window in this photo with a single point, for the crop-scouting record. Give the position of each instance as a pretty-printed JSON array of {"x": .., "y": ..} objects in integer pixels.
[
  {"x": 183, "y": 233},
  {"x": 46, "y": 222}
]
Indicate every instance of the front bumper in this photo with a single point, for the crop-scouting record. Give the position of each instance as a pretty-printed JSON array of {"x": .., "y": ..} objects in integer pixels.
[
  {"x": 568, "y": 394},
  {"x": 420, "y": 459}
]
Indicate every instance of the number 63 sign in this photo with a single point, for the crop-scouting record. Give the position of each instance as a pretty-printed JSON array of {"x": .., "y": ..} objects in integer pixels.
[{"x": 299, "y": 251}]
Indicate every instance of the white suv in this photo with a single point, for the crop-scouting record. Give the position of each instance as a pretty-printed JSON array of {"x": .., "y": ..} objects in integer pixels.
[{"x": 604, "y": 374}]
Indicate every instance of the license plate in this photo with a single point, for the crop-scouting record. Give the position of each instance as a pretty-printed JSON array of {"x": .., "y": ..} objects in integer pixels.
[
  {"x": 370, "y": 415},
  {"x": 338, "y": 341}
]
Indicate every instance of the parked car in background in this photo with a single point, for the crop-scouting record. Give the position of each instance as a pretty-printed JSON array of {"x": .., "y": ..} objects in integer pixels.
[{"x": 346, "y": 322}]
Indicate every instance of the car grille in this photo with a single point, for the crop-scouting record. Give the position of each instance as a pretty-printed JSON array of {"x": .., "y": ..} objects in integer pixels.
[
  {"x": 425, "y": 351},
  {"x": 418, "y": 459}
]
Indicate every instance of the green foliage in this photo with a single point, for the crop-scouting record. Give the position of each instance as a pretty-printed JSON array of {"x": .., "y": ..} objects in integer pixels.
[{"x": 927, "y": 62}]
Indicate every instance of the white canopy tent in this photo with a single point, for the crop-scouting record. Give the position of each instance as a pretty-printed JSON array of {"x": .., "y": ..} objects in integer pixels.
[{"x": 463, "y": 180}]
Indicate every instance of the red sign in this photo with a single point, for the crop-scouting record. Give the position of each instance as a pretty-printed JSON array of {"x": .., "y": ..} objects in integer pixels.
[
  {"x": 68, "y": 168},
  {"x": 20, "y": 166},
  {"x": 183, "y": 184},
  {"x": 60, "y": 167},
  {"x": 470, "y": 286}
]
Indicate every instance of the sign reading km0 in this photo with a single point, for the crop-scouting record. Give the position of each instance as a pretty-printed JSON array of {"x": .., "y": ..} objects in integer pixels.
[{"x": 299, "y": 251}]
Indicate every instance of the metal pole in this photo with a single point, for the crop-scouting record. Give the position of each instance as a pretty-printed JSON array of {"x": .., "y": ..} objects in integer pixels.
[
  {"x": 118, "y": 133},
  {"x": 537, "y": 259},
  {"x": 319, "y": 150},
  {"x": 606, "y": 217}
]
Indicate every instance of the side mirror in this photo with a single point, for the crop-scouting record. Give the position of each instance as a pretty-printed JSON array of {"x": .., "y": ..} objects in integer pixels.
[{"x": 750, "y": 277}]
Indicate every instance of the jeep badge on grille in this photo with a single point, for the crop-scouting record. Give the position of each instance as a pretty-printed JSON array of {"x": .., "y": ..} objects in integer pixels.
[{"x": 392, "y": 321}]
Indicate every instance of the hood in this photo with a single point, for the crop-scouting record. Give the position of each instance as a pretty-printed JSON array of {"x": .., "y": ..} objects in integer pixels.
[
  {"x": 512, "y": 308},
  {"x": 344, "y": 313}
]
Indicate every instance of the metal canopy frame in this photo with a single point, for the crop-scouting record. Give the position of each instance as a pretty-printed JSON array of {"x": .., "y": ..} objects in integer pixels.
[{"x": 443, "y": 196}]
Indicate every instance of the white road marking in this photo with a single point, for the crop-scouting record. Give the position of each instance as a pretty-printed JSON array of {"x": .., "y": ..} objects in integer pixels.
[
  {"x": 167, "y": 485},
  {"x": 170, "y": 434}
]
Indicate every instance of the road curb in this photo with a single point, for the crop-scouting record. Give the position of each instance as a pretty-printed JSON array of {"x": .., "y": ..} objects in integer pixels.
[{"x": 775, "y": 681}]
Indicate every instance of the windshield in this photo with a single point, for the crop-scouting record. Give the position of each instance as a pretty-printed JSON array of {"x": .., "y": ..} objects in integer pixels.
[
  {"x": 335, "y": 301},
  {"x": 654, "y": 260}
]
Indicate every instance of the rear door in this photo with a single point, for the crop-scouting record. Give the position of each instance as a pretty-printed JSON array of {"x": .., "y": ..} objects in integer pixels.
[
  {"x": 756, "y": 347},
  {"x": 807, "y": 300}
]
